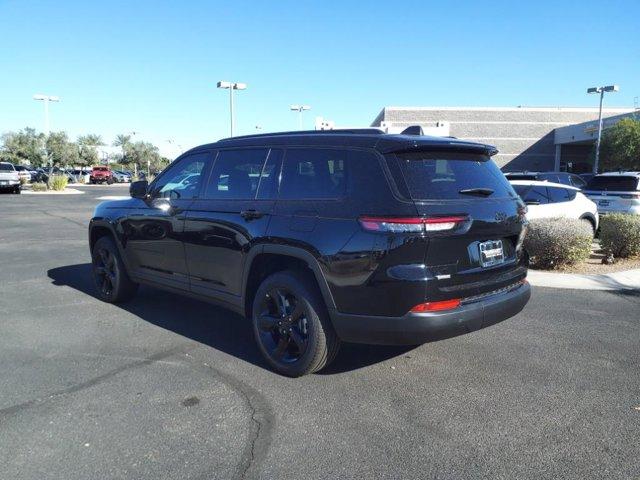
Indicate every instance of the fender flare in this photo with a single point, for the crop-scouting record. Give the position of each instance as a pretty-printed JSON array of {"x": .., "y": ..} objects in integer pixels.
[
  {"x": 589, "y": 216},
  {"x": 295, "y": 252},
  {"x": 101, "y": 222}
]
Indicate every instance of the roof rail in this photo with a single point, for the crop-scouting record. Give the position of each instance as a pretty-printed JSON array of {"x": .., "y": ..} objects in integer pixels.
[{"x": 340, "y": 131}]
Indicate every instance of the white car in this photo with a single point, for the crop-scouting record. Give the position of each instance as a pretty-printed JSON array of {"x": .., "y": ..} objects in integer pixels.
[
  {"x": 615, "y": 192},
  {"x": 553, "y": 200},
  {"x": 9, "y": 178}
]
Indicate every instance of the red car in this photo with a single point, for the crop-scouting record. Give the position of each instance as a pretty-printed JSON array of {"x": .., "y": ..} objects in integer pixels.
[{"x": 101, "y": 175}]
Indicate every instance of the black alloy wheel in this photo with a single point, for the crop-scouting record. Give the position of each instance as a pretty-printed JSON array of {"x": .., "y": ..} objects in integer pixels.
[
  {"x": 283, "y": 325},
  {"x": 105, "y": 272},
  {"x": 109, "y": 275},
  {"x": 291, "y": 324}
]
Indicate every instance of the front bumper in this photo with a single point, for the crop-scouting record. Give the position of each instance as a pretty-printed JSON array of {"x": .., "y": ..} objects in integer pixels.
[{"x": 418, "y": 328}]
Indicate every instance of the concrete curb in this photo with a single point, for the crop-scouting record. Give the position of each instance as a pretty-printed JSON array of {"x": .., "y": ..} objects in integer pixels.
[
  {"x": 66, "y": 191},
  {"x": 626, "y": 280}
]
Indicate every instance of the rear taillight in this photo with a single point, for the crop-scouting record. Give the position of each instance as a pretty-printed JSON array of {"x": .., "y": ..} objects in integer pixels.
[
  {"x": 412, "y": 224},
  {"x": 436, "y": 306}
]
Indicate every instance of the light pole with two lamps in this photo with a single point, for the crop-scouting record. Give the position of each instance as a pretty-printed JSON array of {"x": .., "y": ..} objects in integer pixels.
[
  {"x": 232, "y": 86},
  {"x": 601, "y": 91},
  {"x": 46, "y": 99},
  {"x": 300, "y": 109}
]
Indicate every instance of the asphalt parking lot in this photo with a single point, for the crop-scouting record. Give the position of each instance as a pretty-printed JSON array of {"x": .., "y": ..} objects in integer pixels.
[{"x": 169, "y": 387}]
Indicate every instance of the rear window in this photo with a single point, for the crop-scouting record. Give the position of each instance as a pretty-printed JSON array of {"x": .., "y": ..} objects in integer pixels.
[
  {"x": 615, "y": 183},
  {"x": 6, "y": 167},
  {"x": 101, "y": 169},
  {"x": 443, "y": 175}
]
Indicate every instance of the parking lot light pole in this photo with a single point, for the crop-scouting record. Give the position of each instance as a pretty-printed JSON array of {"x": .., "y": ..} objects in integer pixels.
[
  {"x": 300, "y": 109},
  {"x": 600, "y": 90},
  {"x": 232, "y": 86},
  {"x": 46, "y": 99}
]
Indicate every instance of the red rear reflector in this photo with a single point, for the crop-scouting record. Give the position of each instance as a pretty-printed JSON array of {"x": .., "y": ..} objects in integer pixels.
[
  {"x": 436, "y": 306},
  {"x": 411, "y": 224}
]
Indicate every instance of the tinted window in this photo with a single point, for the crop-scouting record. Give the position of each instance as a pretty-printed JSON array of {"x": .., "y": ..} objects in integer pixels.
[
  {"x": 6, "y": 167},
  {"x": 552, "y": 177},
  {"x": 557, "y": 195},
  {"x": 521, "y": 176},
  {"x": 576, "y": 181},
  {"x": 236, "y": 174},
  {"x": 270, "y": 176},
  {"x": 619, "y": 183},
  {"x": 532, "y": 194},
  {"x": 313, "y": 173},
  {"x": 435, "y": 175},
  {"x": 182, "y": 180}
]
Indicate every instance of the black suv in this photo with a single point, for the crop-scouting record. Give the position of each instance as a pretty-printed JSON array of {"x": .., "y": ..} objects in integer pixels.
[{"x": 322, "y": 237}]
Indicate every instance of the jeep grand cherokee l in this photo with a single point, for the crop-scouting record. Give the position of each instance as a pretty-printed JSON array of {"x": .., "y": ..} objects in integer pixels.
[{"x": 323, "y": 237}]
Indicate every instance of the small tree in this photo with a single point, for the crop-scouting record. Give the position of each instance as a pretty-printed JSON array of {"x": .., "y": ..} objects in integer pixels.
[
  {"x": 88, "y": 148},
  {"x": 25, "y": 146},
  {"x": 620, "y": 146},
  {"x": 60, "y": 151}
]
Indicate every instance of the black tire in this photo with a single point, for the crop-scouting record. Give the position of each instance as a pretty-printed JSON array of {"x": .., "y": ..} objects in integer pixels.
[
  {"x": 17, "y": 190},
  {"x": 110, "y": 181},
  {"x": 301, "y": 342},
  {"x": 109, "y": 274}
]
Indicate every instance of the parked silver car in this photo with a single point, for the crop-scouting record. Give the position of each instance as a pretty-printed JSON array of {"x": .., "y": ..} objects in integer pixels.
[
  {"x": 615, "y": 192},
  {"x": 121, "y": 177}
]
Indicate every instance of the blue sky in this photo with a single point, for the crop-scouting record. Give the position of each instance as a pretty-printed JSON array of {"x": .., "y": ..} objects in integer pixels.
[{"x": 151, "y": 66}]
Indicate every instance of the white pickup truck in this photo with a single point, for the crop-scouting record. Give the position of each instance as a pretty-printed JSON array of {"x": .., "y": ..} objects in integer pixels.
[{"x": 9, "y": 178}]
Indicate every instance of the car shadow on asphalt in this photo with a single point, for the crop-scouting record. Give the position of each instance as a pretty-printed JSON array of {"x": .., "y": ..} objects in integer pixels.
[{"x": 212, "y": 325}]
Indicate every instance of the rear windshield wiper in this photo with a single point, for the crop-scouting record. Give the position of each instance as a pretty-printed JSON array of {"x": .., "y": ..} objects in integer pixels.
[{"x": 476, "y": 191}]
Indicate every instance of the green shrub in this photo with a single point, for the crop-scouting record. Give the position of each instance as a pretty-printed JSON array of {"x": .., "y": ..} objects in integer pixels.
[
  {"x": 620, "y": 235},
  {"x": 39, "y": 187},
  {"x": 58, "y": 182},
  {"x": 554, "y": 242},
  {"x": 24, "y": 180}
]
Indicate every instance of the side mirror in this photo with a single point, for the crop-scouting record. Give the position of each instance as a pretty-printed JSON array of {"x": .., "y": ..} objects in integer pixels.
[
  {"x": 139, "y": 189},
  {"x": 532, "y": 202}
]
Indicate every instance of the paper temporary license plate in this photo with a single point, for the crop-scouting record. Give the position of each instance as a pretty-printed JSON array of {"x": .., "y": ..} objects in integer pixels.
[{"x": 491, "y": 253}]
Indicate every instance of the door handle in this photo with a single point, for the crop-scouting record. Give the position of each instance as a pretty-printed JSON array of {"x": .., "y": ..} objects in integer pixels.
[{"x": 251, "y": 214}]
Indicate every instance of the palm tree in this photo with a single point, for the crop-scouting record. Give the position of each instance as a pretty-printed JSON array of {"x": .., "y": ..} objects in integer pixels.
[{"x": 123, "y": 141}]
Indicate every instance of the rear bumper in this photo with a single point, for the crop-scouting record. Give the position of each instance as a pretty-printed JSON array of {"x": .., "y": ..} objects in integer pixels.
[{"x": 418, "y": 328}]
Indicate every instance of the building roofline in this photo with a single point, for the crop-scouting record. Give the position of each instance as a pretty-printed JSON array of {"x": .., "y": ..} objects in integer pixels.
[{"x": 513, "y": 109}]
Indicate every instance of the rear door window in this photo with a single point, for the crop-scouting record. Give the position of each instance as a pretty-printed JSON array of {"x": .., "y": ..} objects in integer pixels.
[
  {"x": 444, "y": 175},
  {"x": 534, "y": 194},
  {"x": 236, "y": 174},
  {"x": 313, "y": 173},
  {"x": 557, "y": 195},
  {"x": 619, "y": 183}
]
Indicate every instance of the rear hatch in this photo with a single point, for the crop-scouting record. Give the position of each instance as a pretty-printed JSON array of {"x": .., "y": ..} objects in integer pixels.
[
  {"x": 8, "y": 174},
  {"x": 614, "y": 193},
  {"x": 481, "y": 252}
]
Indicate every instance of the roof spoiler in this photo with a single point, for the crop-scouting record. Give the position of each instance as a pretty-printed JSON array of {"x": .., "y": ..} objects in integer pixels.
[{"x": 413, "y": 130}]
